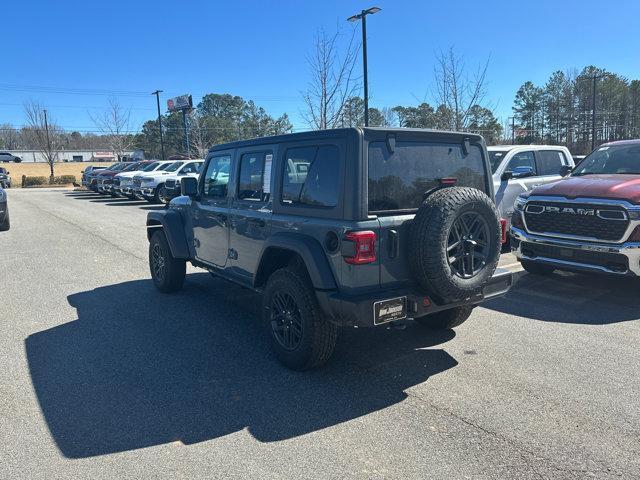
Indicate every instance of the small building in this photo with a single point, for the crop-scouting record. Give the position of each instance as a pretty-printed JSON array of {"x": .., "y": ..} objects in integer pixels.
[{"x": 72, "y": 155}]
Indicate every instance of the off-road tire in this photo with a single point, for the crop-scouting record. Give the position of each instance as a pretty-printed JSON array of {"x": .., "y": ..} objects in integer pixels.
[
  {"x": 318, "y": 337},
  {"x": 171, "y": 277},
  {"x": 6, "y": 223},
  {"x": 430, "y": 236},
  {"x": 446, "y": 319},
  {"x": 536, "y": 268}
]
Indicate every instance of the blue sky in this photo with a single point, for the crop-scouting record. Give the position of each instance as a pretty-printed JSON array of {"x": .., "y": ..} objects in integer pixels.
[{"x": 257, "y": 49}]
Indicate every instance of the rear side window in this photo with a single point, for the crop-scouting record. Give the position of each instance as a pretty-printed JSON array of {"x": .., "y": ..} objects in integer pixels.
[
  {"x": 311, "y": 176},
  {"x": 250, "y": 185},
  {"x": 550, "y": 162},
  {"x": 398, "y": 180}
]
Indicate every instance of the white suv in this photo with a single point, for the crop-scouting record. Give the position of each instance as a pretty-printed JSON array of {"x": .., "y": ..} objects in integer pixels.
[{"x": 152, "y": 186}]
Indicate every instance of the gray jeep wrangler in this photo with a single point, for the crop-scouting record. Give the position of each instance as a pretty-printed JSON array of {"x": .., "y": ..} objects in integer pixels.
[{"x": 352, "y": 227}]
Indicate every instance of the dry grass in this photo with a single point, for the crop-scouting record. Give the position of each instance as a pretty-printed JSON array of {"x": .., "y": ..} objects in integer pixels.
[{"x": 42, "y": 170}]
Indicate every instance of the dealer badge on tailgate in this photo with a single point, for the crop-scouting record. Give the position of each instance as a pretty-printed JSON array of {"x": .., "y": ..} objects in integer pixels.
[{"x": 389, "y": 310}]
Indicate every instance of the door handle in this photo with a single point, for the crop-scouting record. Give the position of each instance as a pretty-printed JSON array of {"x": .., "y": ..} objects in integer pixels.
[{"x": 258, "y": 222}]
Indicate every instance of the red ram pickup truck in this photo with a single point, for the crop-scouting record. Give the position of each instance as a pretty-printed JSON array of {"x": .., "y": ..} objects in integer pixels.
[{"x": 589, "y": 221}]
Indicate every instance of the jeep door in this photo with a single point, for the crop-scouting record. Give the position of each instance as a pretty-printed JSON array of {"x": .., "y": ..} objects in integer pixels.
[
  {"x": 251, "y": 209},
  {"x": 211, "y": 211}
]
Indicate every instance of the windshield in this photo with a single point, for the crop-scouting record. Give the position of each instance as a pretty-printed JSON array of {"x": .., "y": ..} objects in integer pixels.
[
  {"x": 150, "y": 167},
  {"x": 173, "y": 167},
  {"x": 399, "y": 180},
  {"x": 132, "y": 167},
  {"x": 617, "y": 159},
  {"x": 496, "y": 157}
]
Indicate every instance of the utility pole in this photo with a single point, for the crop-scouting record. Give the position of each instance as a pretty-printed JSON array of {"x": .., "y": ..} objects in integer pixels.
[
  {"x": 46, "y": 129},
  {"x": 363, "y": 16},
  {"x": 157, "y": 94},
  {"x": 593, "y": 113},
  {"x": 185, "y": 121},
  {"x": 513, "y": 130}
]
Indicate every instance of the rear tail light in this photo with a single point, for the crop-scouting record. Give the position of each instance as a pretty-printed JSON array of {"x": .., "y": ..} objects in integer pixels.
[
  {"x": 359, "y": 247},
  {"x": 503, "y": 230},
  {"x": 635, "y": 235}
]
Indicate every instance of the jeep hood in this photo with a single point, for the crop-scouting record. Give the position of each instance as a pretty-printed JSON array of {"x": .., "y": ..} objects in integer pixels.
[{"x": 616, "y": 187}]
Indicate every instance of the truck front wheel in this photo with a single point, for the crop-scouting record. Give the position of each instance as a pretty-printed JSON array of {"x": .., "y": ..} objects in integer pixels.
[
  {"x": 446, "y": 319},
  {"x": 167, "y": 272},
  {"x": 301, "y": 337}
]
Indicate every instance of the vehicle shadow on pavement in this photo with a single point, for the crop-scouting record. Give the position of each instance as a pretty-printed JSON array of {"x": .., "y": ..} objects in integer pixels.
[
  {"x": 571, "y": 298},
  {"x": 139, "y": 368}
]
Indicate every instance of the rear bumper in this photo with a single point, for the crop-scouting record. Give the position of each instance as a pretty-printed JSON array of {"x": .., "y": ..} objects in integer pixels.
[
  {"x": 358, "y": 310},
  {"x": 572, "y": 255}
]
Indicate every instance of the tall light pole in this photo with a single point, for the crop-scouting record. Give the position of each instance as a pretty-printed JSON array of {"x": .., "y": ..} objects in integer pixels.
[
  {"x": 157, "y": 94},
  {"x": 363, "y": 16}
]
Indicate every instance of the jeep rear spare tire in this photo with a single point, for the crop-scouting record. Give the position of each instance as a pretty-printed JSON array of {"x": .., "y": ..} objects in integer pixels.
[{"x": 455, "y": 243}]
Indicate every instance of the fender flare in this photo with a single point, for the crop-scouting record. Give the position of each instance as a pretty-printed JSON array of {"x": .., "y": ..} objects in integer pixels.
[
  {"x": 311, "y": 252},
  {"x": 171, "y": 223}
]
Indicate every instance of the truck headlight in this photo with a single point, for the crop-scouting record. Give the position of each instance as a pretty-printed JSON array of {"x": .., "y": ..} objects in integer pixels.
[{"x": 519, "y": 204}]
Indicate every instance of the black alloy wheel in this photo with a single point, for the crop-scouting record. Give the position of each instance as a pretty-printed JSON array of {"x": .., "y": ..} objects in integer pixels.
[
  {"x": 468, "y": 245},
  {"x": 286, "y": 321},
  {"x": 158, "y": 263}
]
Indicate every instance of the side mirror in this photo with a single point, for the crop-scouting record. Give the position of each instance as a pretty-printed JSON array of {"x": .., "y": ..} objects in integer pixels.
[
  {"x": 189, "y": 186},
  {"x": 565, "y": 170},
  {"x": 507, "y": 175},
  {"x": 522, "y": 172}
]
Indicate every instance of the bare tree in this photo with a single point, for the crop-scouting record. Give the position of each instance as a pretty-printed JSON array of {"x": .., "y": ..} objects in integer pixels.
[
  {"x": 114, "y": 126},
  {"x": 332, "y": 81},
  {"x": 42, "y": 132},
  {"x": 200, "y": 136},
  {"x": 9, "y": 136},
  {"x": 456, "y": 90}
]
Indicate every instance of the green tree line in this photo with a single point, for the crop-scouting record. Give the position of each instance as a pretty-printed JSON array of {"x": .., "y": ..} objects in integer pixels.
[{"x": 561, "y": 110}]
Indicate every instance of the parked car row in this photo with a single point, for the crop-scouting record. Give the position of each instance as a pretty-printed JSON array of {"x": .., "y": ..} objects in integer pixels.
[{"x": 152, "y": 180}]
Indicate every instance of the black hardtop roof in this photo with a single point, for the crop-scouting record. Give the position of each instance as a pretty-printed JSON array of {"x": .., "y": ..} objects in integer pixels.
[{"x": 341, "y": 132}]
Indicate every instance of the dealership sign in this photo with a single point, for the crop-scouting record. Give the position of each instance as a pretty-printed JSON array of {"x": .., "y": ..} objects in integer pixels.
[{"x": 183, "y": 102}]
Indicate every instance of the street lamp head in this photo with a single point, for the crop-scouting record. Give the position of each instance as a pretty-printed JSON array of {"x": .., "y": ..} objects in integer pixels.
[
  {"x": 353, "y": 18},
  {"x": 372, "y": 10}
]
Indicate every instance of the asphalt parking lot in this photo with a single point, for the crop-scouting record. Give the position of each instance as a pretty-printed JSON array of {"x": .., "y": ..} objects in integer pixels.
[{"x": 104, "y": 377}]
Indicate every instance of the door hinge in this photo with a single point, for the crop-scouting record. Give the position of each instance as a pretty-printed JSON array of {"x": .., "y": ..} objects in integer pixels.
[
  {"x": 196, "y": 243},
  {"x": 233, "y": 254}
]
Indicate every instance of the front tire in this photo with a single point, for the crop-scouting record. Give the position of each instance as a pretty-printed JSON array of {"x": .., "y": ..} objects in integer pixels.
[
  {"x": 301, "y": 336},
  {"x": 6, "y": 224},
  {"x": 167, "y": 272},
  {"x": 536, "y": 268},
  {"x": 446, "y": 319}
]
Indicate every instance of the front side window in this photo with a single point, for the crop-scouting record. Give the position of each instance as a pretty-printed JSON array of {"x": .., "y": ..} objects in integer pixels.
[
  {"x": 398, "y": 180},
  {"x": 216, "y": 179},
  {"x": 311, "y": 176},
  {"x": 251, "y": 181},
  {"x": 150, "y": 167},
  {"x": 174, "y": 166},
  {"x": 550, "y": 162},
  {"x": 190, "y": 168},
  {"x": 523, "y": 159}
]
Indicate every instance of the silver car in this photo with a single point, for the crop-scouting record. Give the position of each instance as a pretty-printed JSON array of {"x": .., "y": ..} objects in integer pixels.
[{"x": 518, "y": 168}]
